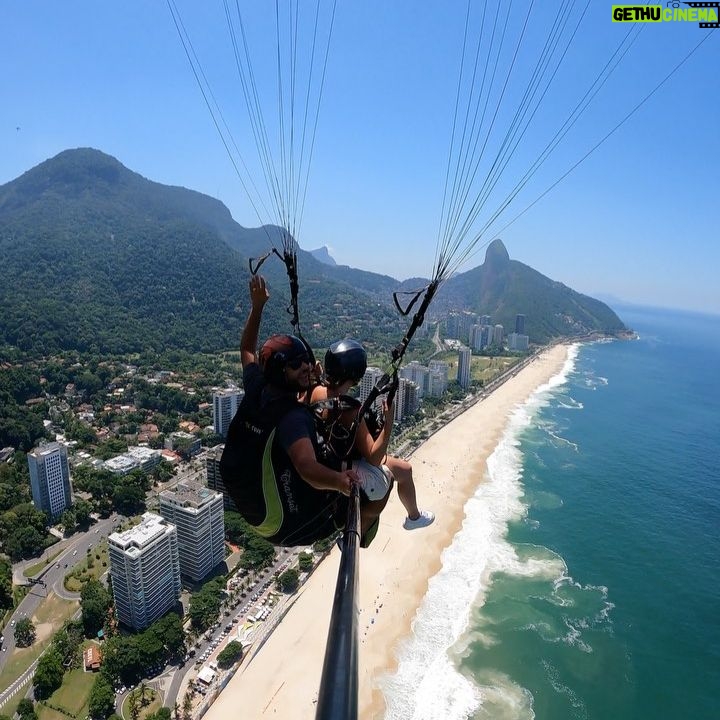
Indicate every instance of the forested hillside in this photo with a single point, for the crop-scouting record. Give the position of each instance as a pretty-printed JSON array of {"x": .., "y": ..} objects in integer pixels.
[{"x": 98, "y": 259}]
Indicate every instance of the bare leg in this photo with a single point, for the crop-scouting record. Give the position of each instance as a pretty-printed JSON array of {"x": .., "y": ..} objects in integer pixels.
[
  {"x": 402, "y": 471},
  {"x": 370, "y": 510}
]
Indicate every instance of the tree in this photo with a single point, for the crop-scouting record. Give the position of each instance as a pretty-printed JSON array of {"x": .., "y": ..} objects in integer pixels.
[
  {"x": 122, "y": 659},
  {"x": 236, "y": 527},
  {"x": 305, "y": 562},
  {"x": 289, "y": 581},
  {"x": 101, "y": 703},
  {"x": 68, "y": 642},
  {"x": 169, "y": 628},
  {"x": 24, "y": 632},
  {"x": 133, "y": 706},
  {"x": 48, "y": 674},
  {"x": 230, "y": 654},
  {"x": 164, "y": 713},
  {"x": 187, "y": 706},
  {"x": 82, "y": 510},
  {"x": 26, "y": 709},
  {"x": 68, "y": 521},
  {"x": 6, "y": 596},
  {"x": 129, "y": 499},
  {"x": 95, "y": 602},
  {"x": 205, "y": 604},
  {"x": 259, "y": 553}
]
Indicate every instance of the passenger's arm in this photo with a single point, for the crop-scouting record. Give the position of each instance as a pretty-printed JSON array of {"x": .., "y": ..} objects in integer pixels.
[
  {"x": 375, "y": 449},
  {"x": 249, "y": 340},
  {"x": 302, "y": 456}
]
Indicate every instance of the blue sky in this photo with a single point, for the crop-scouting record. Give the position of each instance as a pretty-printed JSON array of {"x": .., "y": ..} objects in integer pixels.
[{"x": 637, "y": 220}]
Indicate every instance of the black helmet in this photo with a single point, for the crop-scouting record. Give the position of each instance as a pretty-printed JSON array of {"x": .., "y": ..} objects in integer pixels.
[
  {"x": 275, "y": 353},
  {"x": 345, "y": 360}
]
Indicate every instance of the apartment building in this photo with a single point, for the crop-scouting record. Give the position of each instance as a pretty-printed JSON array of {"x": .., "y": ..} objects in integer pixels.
[
  {"x": 225, "y": 405},
  {"x": 145, "y": 571},
  {"x": 197, "y": 513},
  {"x": 50, "y": 478}
]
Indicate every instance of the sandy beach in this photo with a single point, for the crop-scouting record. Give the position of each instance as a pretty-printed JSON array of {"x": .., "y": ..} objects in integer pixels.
[{"x": 281, "y": 681}]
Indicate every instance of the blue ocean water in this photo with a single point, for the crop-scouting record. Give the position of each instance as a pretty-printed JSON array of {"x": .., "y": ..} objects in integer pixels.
[{"x": 585, "y": 582}]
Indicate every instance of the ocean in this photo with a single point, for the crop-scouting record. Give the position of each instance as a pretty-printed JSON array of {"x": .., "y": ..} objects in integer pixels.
[{"x": 585, "y": 582}]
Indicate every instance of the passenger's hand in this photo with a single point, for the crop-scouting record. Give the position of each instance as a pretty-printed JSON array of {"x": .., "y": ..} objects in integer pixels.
[
  {"x": 348, "y": 478},
  {"x": 388, "y": 410},
  {"x": 259, "y": 294},
  {"x": 316, "y": 372}
]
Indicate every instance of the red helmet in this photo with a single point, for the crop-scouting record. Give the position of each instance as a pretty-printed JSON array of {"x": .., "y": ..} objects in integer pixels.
[{"x": 275, "y": 354}]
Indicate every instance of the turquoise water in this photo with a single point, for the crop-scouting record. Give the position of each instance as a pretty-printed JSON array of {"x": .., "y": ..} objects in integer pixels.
[{"x": 585, "y": 582}]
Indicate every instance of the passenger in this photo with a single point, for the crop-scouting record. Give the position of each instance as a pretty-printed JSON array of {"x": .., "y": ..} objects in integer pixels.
[
  {"x": 345, "y": 365},
  {"x": 269, "y": 465}
]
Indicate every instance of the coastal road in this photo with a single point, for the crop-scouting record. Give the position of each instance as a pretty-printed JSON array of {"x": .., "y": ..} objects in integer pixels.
[{"x": 53, "y": 575}]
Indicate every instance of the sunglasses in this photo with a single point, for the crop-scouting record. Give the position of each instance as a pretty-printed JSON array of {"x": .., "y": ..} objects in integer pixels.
[{"x": 297, "y": 362}]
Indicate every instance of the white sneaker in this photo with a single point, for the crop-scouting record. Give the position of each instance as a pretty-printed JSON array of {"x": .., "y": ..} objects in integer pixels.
[{"x": 423, "y": 520}]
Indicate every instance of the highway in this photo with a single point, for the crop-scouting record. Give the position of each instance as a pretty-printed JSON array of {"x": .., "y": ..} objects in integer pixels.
[{"x": 53, "y": 575}]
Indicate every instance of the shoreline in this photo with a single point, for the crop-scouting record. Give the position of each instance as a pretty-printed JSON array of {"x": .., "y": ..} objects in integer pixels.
[{"x": 282, "y": 680}]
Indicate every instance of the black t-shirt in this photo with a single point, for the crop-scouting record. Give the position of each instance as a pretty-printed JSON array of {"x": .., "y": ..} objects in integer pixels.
[{"x": 297, "y": 423}]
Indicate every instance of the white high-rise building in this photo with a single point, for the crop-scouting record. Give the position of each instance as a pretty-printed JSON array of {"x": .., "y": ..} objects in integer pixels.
[
  {"x": 437, "y": 378},
  {"x": 518, "y": 342},
  {"x": 197, "y": 513},
  {"x": 225, "y": 405},
  {"x": 50, "y": 478},
  {"x": 498, "y": 335},
  {"x": 408, "y": 397},
  {"x": 372, "y": 375},
  {"x": 145, "y": 571},
  {"x": 418, "y": 374},
  {"x": 464, "y": 361}
]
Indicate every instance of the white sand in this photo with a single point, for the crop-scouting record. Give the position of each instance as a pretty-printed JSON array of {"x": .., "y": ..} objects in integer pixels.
[{"x": 281, "y": 681}]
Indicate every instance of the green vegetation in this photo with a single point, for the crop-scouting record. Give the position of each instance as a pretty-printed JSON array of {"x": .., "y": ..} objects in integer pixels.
[
  {"x": 205, "y": 604},
  {"x": 84, "y": 237},
  {"x": 305, "y": 562},
  {"x": 91, "y": 568},
  {"x": 70, "y": 699},
  {"x": 229, "y": 655},
  {"x": 289, "y": 581},
  {"x": 95, "y": 601},
  {"x": 26, "y": 709},
  {"x": 53, "y": 612},
  {"x": 257, "y": 552},
  {"x": 48, "y": 675},
  {"x": 24, "y": 632},
  {"x": 101, "y": 703},
  {"x": 6, "y": 587},
  {"x": 141, "y": 703}
]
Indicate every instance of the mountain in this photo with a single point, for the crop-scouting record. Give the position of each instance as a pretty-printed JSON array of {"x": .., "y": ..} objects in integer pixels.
[
  {"x": 502, "y": 288},
  {"x": 322, "y": 254},
  {"x": 97, "y": 258}
]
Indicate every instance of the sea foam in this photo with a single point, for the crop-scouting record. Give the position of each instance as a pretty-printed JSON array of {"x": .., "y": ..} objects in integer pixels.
[{"x": 427, "y": 684}]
